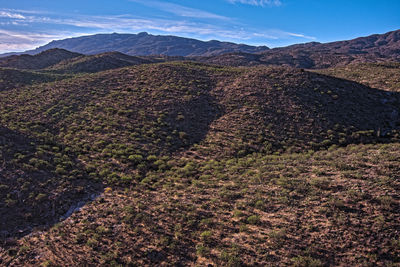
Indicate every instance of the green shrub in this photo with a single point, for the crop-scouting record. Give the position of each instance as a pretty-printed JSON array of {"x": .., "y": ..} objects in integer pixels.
[
  {"x": 253, "y": 219},
  {"x": 206, "y": 236}
]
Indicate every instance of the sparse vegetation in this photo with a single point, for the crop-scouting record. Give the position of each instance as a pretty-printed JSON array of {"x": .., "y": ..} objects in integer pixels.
[{"x": 183, "y": 163}]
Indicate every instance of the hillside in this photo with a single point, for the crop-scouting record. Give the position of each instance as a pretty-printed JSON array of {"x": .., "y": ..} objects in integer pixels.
[
  {"x": 34, "y": 191},
  {"x": 12, "y": 78},
  {"x": 40, "y": 61},
  {"x": 376, "y": 75},
  {"x": 336, "y": 207},
  {"x": 143, "y": 44},
  {"x": 59, "y": 61},
  {"x": 374, "y": 48},
  {"x": 99, "y": 62},
  {"x": 279, "y": 108},
  {"x": 183, "y": 163}
]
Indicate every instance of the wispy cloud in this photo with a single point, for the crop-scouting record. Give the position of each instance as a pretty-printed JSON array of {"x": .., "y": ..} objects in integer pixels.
[
  {"x": 44, "y": 27},
  {"x": 25, "y": 35},
  {"x": 128, "y": 23},
  {"x": 180, "y": 10},
  {"x": 279, "y": 34},
  {"x": 261, "y": 3},
  {"x": 300, "y": 35},
  {"x": 26, "y": 11},
  {"x": 19, "y": 40},
  {"x": 5, "y": 14}
]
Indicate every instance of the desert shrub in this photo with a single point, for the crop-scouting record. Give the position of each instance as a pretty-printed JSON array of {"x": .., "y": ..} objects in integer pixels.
[
  {"x": 253, "y": 219},
  {"x": 206, "y": 236}
]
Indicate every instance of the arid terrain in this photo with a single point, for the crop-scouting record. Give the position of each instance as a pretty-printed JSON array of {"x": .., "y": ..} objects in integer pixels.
[{"x": 265, "y": 157}]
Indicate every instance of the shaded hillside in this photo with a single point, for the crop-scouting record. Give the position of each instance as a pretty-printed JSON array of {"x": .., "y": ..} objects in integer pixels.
[
  {"x": 143, "y": 44},
  {"x": 232, "y": 59},
  {"x": 40, "y": 181},
  {"x": 96, "y": 63},
  {"x": 280, "y": 108},
  {"x": 40, "y": 61},
  {"x": 12, "y": 78},
  {"x": 374, "y": 48},
  {"x": 376, "y": 75}
]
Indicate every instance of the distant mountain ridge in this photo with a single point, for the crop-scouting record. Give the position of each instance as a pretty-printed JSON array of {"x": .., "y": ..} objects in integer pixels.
[
  {"x": 109, "y": 51},
  {"x": 373, "y": 48},
  {"x": 143, "y": 44}
]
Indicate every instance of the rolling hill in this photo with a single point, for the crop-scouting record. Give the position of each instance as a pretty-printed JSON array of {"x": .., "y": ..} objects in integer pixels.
[
  {"x": 226, "y": 109},
  {"x": 13, "y": 78},
  {"x": 40, "y": 61},
  {"x": 96, "y": 63},
  {"x": 385, "y": 75},
  {"x": 60, "y": 61}
]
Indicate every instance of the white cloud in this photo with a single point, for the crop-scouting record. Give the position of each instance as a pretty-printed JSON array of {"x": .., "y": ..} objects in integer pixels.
[
  {"x": 280, "y": 35},
  {"x": 300, "y": 35},
  {"x": 5, "y": 14},
  {"x": 127, "y": 24},
  {"x": 25, "y": 11},
  {"x": 257, "y": 2},
  {"x": 180, "y": 10},
  {"x": 11, "y": 41},
  {"x": 26, "y": 35}
]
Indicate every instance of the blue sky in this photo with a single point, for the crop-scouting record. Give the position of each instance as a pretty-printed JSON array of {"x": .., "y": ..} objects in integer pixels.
[{"x": 26, "y": 24}]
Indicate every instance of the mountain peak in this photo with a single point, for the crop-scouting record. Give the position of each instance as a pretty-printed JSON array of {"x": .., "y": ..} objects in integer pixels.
[{"x": 141, "y": 34}]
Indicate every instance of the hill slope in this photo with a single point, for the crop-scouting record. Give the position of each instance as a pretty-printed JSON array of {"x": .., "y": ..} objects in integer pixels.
[
  {"x": 12, "y": 78},
  {"x": 385, "y": 75},
  {"x": 99, "y": 62},
  {"x": 143, "y": 44},
  {"x": 330, "y": 208},
  {"x": 34, "y": 192},
  {"x": 164, "y": 109},
  {"x": 40, "y": 61}
]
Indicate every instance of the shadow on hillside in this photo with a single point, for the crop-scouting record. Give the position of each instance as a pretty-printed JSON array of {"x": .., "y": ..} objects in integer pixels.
[
  {"x": 34, "y": 195},
  {"x": 288, "y": 108},
  {"x": 319, "y": 110},
  {"x": 13, "y": 78},
  {"x": 355, "y": 105},
  {"x": 294, "y": 109},
  {"x": 198, "y": 114}
]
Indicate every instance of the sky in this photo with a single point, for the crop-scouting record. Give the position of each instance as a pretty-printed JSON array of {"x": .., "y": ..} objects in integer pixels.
[{"x": 27, "y": 24}]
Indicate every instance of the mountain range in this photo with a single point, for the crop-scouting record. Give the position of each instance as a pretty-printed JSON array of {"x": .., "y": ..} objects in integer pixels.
[{"x": 374, "y": 48}]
